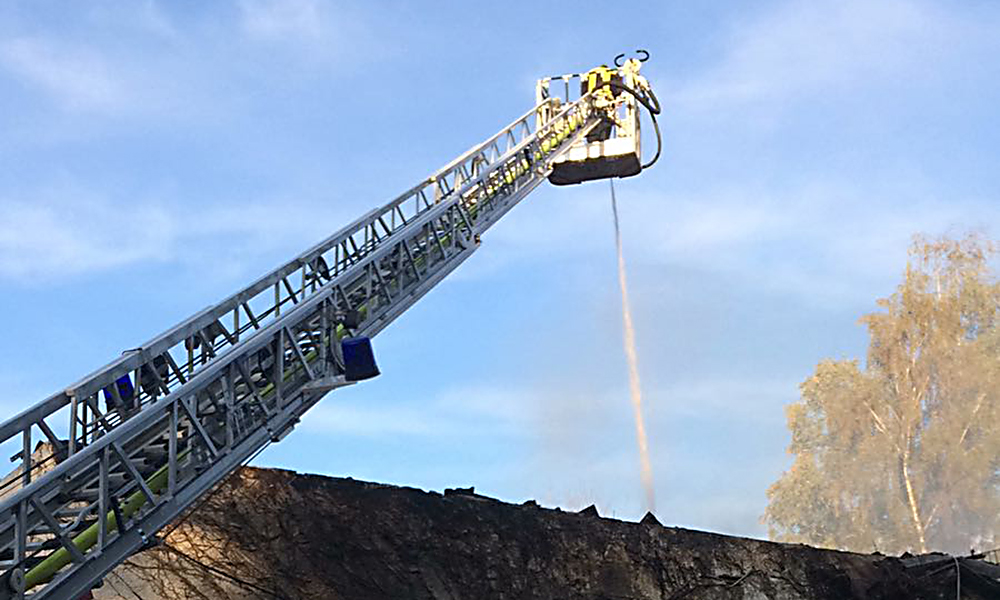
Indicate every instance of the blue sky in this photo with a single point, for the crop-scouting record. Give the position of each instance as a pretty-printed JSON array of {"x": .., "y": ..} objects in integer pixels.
[{"x": 154, "y": 157}]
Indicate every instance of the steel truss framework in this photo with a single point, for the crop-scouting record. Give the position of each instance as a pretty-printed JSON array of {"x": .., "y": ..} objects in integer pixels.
[{"x": 188, "y": 407}]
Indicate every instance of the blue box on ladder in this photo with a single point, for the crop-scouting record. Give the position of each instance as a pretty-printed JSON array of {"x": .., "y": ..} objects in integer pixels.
[{"x": 359, "y": 360}]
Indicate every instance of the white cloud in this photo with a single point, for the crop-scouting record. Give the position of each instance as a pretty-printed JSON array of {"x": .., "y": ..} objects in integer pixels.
[
  {"x": 39, "y": 241},
  {"x": 283, "y": 20},
  {"x": 578, "y": 439},
  {"x": 830, "y": 242},
  {"x": 819, "y": 47},
  {"x": 559, "y": 414},
  {"x": 135, "y": 62},
  {"x": 369, "y": 420},
  {"x": 150, "y": 19},
  {"x": 723, "y": 400},
  {"x": 310, "y": 34},
  {"x": 464, "y": 412},
  {"x": 826, "y": 243},
  {"x": 67, "y": 231},
  {"x": 76, "y": 78},
  {"x": 90, "y": 78}
]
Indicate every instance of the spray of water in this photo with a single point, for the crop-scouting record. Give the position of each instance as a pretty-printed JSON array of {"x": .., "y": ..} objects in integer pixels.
[{"x": 635, "y": 390}]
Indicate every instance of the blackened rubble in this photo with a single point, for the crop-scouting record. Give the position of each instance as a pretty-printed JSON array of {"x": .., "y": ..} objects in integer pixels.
[{"x": 277, "y": 534}]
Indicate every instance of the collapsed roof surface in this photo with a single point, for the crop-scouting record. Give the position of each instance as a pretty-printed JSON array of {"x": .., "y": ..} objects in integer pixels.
[{"x": 276, "y": 534}]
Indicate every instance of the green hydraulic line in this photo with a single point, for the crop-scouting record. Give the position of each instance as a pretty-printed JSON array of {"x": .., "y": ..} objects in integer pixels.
[{"x": 44, "y": 571}]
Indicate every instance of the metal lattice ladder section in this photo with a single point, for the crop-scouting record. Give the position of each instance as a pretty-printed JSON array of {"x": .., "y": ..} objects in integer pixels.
[{"x": 188, "y": 407}]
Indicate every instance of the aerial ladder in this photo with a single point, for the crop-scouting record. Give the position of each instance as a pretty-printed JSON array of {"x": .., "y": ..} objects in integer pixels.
[{"x": 108, "y": 462}]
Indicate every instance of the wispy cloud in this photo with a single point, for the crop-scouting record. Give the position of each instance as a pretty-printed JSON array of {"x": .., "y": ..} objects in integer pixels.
[
  {"x": 463, "y": 412},
  {"x": 68, "y": 231},
  {"x": 553, "y": 415},
  {"x": 313, "y": 31},
  {"x": 39, "y": 241},
  {"x": 76, "y": 78},
  {"x": 283, "y": 20},
  {"x": 818, "y": 47},
  {"x": 723, "y": 399},
  {"x": 137, "y": 62},
  {"x": 148, "y": 17},
  {"x": 827, "y": 242},
  {"x": 337, "y": 418}
]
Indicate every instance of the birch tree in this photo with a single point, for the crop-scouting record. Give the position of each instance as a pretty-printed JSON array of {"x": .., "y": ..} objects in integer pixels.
[{"x": 903, "y": 453}]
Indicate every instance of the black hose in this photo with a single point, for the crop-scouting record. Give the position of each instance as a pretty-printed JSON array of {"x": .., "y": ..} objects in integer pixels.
[
  {"x": 659, "y": 143},
  {"x": 654, "y": 109},
  {"x": 656, "y": 101}
]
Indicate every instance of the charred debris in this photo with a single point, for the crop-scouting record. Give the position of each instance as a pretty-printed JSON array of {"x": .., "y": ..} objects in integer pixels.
[{"x": 269, "y": 533}]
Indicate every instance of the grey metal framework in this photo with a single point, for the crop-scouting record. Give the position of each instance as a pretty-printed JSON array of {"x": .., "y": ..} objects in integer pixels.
[{"x": 220, "y": 386}]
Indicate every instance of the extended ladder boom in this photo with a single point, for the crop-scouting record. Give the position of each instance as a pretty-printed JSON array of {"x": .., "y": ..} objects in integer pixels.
[{"x": 188, "y": 407}]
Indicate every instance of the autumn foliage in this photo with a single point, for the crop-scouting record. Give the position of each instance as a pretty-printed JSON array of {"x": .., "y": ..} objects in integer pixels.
[{"x": 903, "y": 453}]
